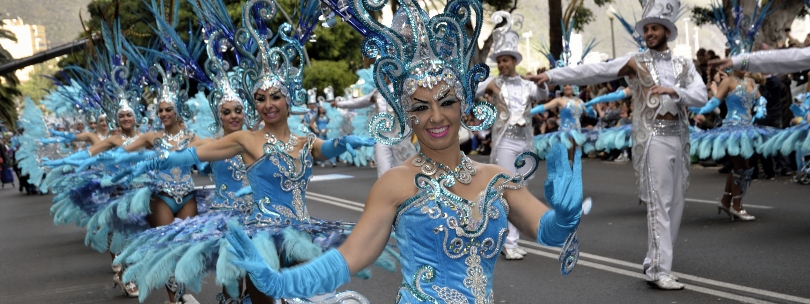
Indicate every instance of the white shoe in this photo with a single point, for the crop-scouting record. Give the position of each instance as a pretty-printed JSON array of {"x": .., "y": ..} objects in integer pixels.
[
  {"x": 512, "y": 254},
  {"x": 674, "y": 278},
  {"x": 666, "y": 283},
  {"x": 622, "y": 158},
  {"x": 521, "y": 251}
]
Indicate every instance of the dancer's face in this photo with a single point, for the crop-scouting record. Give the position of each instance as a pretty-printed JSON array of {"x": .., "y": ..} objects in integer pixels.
[
  {"x": 92, "y": 125},
  {"x": 436, "y": 116},
  {"x": 232, "y": 115},
  {"x": 126, "y": 120},
  {"x": 102, "y": 124},
  {"x": 568, "y": 90},
  {"x": 167, "y": 114},
  {"x": 506, "y": 65},
  {"x": 272, "y": 105},
  {"x": 656, "y": 36}
]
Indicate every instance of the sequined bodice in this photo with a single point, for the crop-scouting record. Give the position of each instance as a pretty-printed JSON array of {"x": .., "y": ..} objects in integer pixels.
[
  {"x": 570, "y": 115},
  {"x": 230, "y": 177},
  {"x": 279, "y": 183},
  {"x": 175, "y": 181},
  {"x": 449, "y": 245},
  {"x": 739, "y": 103}
]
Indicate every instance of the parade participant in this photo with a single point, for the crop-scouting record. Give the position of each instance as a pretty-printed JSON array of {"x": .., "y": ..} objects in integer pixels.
[
  {"x": 385, "y": 156},
  {"x": 512, "y": 96},
  {"x": 278, "y": 166},
  {"x": 450, "y": 223},
  {"x": 663, "y": 85},
  {"x": 737, "y": 137}
]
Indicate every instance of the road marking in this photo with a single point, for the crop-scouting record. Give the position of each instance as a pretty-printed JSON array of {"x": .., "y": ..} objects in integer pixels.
[
  {"x": 326, "y": 177},
  {"x": 538, "y": 250},
  {"x": 694, "y": 200}
]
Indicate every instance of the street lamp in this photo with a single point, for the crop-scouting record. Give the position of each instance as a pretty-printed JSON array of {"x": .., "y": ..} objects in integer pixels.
[
  {"x": 528, "y": 35},
  {"x": 611, "y": 12}
]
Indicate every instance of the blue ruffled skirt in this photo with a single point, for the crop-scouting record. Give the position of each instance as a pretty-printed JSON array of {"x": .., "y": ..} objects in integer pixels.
[
  {"x": 544, "y": 142},
  {"x": 788, "y": 140},
  {"x": 732, "y": 140}
]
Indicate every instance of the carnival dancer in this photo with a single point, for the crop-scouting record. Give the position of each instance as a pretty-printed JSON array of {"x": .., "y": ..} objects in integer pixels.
[
  {"x": 663, "y": 85},
  {"x": 385, "y": 156},
  {"x": 737, "y": 137},
  {"x": 451, "y": 222},
  {"x": 794, "y": 139},
  {"x": 278, "y": 165},
  {"x": 512, "y": 96}
]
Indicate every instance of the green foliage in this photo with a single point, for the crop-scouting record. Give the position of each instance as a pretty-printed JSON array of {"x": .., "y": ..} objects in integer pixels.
[
  {"x": 340, "y": 43},
  {"x": 38, "y": 85},
  {"x": 583, "y": 16},
  {"x": 701, "y": 15},
  {"x": 325, "y": 73},
  {"x": 8, "y": 85}
]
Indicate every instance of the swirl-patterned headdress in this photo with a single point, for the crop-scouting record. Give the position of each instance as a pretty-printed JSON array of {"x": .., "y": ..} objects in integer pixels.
[
  {"x": 420, "y": 51},
  {"x": 172, "y": 89},
  {"x": 226, "y": 85},
  {"x": 277, "y": 68},
  {"x": 740, "y": 30}
]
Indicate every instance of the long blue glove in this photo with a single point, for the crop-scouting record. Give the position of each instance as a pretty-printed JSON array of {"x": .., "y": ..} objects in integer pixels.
[
  {"x": 537, "y": 110},
  {"x": 590, "y": 111},
  {"x": 66, "y": 135},
  {"x": 179, "y": 158},
  {"x": 336, "y": 147},
  {"x": 74, "y": 159},
  {"x": 563, "y": 190},
  {"x": 134, "y": 156},
  {"x": 51, "y": 140},
  {"x": 713, "y": 103},
  {"x": 761, "y": 108},
  {"x": 798, "y": 111},
  {"x": 618, "y": 95},
  {"x": 321, "y": 275},
  {"x": 103, "y": 157}
]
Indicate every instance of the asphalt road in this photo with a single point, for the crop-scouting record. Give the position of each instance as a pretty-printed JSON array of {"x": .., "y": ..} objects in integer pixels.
[{"x": 719, "y": 260}]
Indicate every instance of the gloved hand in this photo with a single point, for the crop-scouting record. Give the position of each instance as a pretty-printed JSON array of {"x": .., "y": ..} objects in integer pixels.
[
  {"x": 205, "y": 168},
  {"x": 321, "y": 275},
  {"x": 798, "y": 111},
  {"x": 336, "y": 147},
  {"x": 134, "y": 156},
  {"x": 761, "y": 108},
  {"x": 590, "y": 111},
  {"x": 51, "y": 140},
  {"x": 563, "y": 190},
  {"x": 713, "y": 103},
  {"x": 74, "y": 159},
  {"x": 103, "y": 157},
  {"x": 185, "y": 157},
  {"x": 67, "y": 135},
  {"x": 618, "y": 95},
  {"x": 537, "y": 110}
]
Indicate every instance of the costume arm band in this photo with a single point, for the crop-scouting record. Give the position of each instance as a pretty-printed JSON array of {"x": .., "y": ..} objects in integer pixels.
[
  {"x": 713, "y": 103},
  {"x": 618, "y": 95},
  {"x": 66, "y": 135},
  {"x": 773, "y": 61},
  {"x": 538, "y": 109},
  {"x": 553, "y": 230}
]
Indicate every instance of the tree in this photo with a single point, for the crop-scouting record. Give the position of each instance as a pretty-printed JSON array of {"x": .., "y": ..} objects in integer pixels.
[
  {"x": 8, "y": 84},
  {"x": 323, "y": 73},
  {"x": 773, "y": 28},
  {"x": 582, "y": 17},
  {"x": 38, "y": 85}
]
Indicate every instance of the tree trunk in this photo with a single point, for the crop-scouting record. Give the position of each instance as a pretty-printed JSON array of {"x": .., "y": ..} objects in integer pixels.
[
  {"x": 555, "y": 11},
  {"x": 773, "y": 28}
]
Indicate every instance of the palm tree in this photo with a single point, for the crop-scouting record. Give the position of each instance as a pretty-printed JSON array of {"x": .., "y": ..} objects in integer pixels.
[{"x": 8, "y": 84}]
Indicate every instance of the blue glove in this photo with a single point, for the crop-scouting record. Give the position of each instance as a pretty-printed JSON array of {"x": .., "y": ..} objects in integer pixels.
[
  {"x": 205, "y": 168},
  {"x": 134, "y": 156},
  {"x": 104, "y": 157},
  {"x": 590, "y": 111},
  {"x": 537, "y": 110},
  {"x": 66, "y": 135},
  {"x": 336, "y": 147},
  {"x": 244, "y": 191},
  {"x": 761, "y": 108},
  {"x": 798, "y": 111},
  {"x": 51, "y": 140},
  {"x": 73, "y": 159},
  {"x": 563, "y": 190},
  {"x": 179, "y": 158},
  {"x": 713, "y": 103},
  {"x": 321, "y": 275},
  {"x": 618, "y": 95}
]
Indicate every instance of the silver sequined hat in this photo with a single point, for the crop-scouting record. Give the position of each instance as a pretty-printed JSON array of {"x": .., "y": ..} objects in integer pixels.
[
  {"x": 506, "y": 39},
  {"x": 663, "y": 12}
]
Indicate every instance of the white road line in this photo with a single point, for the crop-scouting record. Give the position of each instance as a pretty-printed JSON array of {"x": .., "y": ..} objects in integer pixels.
[
  {"x": 694, "y": 200},
  {"x": 537, "y": 249},
  {"x": 708, "y": 291},
  {"x": 638, "y": 267}
]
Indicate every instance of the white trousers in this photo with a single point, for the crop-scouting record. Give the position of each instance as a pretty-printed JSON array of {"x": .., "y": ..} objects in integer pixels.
[
  {"x": 665, "y": 208},
  {"x": 508, "y": 150},
  {"x": 384, "y": 157}
]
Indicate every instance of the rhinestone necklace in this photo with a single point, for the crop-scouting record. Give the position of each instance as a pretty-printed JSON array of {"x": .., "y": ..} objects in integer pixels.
[
  {"x": 463, "y": 172},
  {"x": 286, "y": 147},
  {"x": 175, "y": 137}
]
